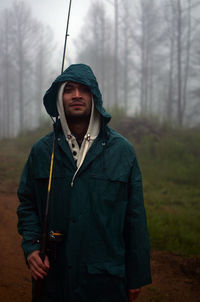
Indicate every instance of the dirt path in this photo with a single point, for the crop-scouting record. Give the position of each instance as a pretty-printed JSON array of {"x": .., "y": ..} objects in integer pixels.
[{"x": 175, "y": 278}]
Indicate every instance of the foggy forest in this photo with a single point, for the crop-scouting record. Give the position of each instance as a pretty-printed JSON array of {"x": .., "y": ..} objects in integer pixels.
[{"x": 146, "y": 57}]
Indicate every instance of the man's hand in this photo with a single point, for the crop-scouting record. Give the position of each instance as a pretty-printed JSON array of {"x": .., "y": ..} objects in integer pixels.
[
  {"x": 133, "y": 294},
  {"x": 38, "y": 268}
]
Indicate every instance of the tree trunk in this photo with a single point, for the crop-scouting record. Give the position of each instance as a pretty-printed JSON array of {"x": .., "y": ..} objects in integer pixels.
[
  {"x": 179, "y": 63},
  {"x": 126, "y": 57},
  {"x": 116, "y": 52},
  {"x": 187, "y": 64},
  {"x": 169, "y": 105}
]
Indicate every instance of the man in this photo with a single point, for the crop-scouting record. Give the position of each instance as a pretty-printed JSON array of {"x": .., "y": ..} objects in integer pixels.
[{"x": 96, "y": 201}]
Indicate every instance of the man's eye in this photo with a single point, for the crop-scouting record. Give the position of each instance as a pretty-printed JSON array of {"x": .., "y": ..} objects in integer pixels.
[
  {"x": 85, "y": 89},
  {"x": 68, "y": 89}
]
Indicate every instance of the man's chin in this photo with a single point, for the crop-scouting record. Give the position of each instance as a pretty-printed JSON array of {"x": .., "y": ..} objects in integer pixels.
[{"x": 77, "y": 116}]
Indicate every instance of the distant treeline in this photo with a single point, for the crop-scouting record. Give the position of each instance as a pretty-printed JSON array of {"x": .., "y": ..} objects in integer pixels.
[
  {"x": 26, "y": 54},
  {"x": 146, "y": 56}
]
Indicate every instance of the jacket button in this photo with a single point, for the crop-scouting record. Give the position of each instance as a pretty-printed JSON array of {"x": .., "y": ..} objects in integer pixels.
[
  {"x": 69, "y": 266},
  {"x": 73, "y": 220},
  {"x": 74, "y": 153}
]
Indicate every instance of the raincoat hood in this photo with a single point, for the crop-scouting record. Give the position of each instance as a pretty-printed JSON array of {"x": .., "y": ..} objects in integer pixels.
[{"x": 78, "y": 73}]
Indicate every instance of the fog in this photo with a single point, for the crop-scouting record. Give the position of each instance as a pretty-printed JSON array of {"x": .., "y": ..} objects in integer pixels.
[
  {"x": 145, "y": 55},
  {"x": 54, "y": 14}
]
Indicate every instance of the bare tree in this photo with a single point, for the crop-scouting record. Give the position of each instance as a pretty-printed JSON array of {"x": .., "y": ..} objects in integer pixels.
[
  {"x": 116, "y": 50},
  {"x": 97, "y": 48},
  {"x": 187, "y": 59},
  {"x": 170, "y": 34},
  {"x": 41, "y": 68},
  {"x": 147, "y": 40},
  {"x": 181, "y": 37},
  {"x": 149, "y": 44},
  {"x": 23, "y": 58},
  {"x": 22, "y": 38},
  {"x": 6, "y": 121},
  {"x": 126, "y": 51}
]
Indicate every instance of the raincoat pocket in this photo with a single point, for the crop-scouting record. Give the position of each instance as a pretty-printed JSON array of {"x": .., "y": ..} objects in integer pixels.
[
  {"x": 102, "y": 282},
  {"x": 110, "y": 187},
  {"x": 107, "y": 268},
  {"x": 119, "y": 178}
]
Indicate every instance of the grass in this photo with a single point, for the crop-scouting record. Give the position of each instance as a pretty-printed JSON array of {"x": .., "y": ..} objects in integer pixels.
[
  {"x": 170, "y": 164},
  {"x": 154, "y": 294},
  {"x": 13, "y": 154},
  {"x": 171, "y": 180}
]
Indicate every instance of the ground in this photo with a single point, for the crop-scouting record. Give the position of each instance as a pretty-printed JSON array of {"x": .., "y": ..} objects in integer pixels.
[{"x": 175, "y": 278}]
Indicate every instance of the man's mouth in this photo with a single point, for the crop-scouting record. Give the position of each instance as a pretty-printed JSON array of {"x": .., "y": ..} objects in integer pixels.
[{"x": 77, "y": 104}]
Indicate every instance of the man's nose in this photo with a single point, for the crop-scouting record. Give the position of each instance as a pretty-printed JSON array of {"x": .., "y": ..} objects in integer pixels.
[{"x": 77, "y": 93}]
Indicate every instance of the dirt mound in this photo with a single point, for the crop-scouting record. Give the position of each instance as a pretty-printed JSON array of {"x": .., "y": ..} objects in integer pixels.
[
  {"x": 138, "y": 128},
  {"x": 175, "y": 278}
]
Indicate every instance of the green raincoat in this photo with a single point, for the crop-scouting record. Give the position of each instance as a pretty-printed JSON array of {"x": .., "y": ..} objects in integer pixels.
[{"x": 105, "y": 250}]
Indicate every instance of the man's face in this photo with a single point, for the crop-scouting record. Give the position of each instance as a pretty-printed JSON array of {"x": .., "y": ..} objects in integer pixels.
[{"x": 77, "y": 100}]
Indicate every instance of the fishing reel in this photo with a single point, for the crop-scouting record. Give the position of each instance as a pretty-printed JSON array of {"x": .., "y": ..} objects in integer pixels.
[
  {"x": 54, "y": 241},
  {"x": 56, "y": 236}
]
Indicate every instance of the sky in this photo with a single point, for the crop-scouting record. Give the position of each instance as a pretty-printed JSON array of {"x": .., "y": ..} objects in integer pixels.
[{"x": 54, "y": 13}]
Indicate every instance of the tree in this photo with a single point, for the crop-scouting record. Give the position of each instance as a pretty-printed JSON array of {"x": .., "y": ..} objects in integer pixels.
[
  {"x": 181, "y": 43},
  {"x": 96, "y": 48},
  {"x": 145, "y": 56},
  {"x": 6, "y": 65},
  {"x": 24, "y": 55},
  {"x": 150, "y": 46}
]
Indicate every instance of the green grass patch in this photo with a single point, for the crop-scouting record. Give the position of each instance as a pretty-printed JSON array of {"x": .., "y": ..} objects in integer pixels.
[
  {"x": 13, "y": 154},
  {"x": 170, "y": 166}
]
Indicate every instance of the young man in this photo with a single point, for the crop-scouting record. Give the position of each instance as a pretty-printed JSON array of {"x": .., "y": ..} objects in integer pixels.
[{"x": 96, "y": 201}]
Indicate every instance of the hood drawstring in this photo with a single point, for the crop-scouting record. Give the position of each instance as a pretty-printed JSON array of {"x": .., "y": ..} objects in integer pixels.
[
  {"x": 104, "y": 142},
  {"x": 87, "y": 143}
]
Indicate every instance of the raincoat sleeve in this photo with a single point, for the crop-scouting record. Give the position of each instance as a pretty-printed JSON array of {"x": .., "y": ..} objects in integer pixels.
[
  {"x": 28, "y": 220},
  {"x": 136, "y": 234}
]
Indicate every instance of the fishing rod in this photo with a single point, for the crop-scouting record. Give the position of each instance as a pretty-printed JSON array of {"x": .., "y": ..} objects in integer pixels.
[
  {"x": 66, "y": 36},
  {"x": 45, "y": 236}
]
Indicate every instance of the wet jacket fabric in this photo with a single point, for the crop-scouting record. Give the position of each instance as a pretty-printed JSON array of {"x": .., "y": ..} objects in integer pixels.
[{"x": 105, "y": 249}]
